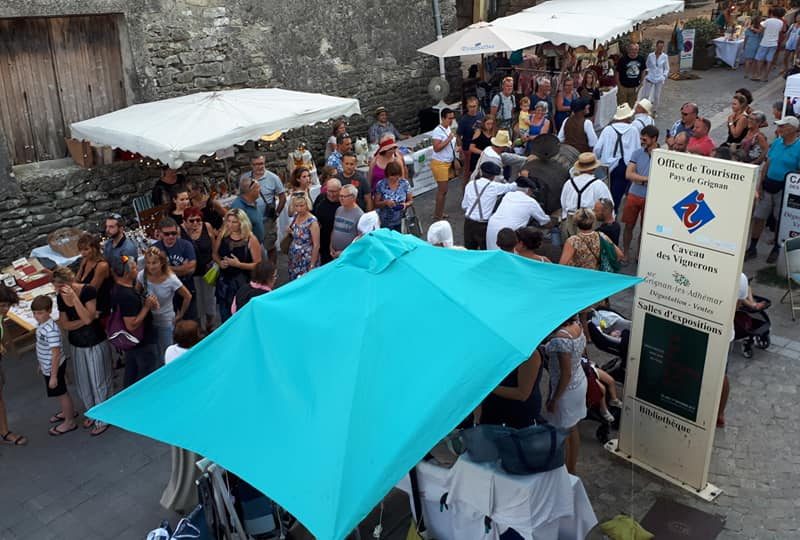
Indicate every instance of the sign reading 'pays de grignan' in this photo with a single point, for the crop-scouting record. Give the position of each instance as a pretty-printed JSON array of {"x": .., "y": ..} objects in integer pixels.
[{"x": 694, "y": 235}]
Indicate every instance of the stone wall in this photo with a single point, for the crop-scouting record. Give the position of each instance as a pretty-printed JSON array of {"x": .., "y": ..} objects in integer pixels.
[{"x": 353, "y": 48}]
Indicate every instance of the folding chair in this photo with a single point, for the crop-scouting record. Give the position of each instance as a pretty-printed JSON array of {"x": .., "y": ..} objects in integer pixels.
[
  {"x": 791, "y": 250},
  {"x": 142, "y": 203}
]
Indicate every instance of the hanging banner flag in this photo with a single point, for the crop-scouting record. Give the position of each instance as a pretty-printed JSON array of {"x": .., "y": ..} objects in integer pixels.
[
  {"x": 693, "y": 241},
  {"x": 790, "y": 211},
  {"x": 687, "y": 52}
]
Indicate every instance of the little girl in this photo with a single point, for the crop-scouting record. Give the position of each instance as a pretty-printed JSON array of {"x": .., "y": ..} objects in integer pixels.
[{"x": 524, "y": 121}]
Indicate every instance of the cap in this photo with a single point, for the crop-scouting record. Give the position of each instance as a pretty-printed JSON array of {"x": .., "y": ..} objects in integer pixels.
[
  {"x": 490, "y": 169},
  {"x": 380, "y": 110},
  {"x": 788, "y": 121}
]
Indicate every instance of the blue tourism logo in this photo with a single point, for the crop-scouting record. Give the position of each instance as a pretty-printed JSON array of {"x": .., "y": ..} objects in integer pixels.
[{"x": 693, "y": 211}]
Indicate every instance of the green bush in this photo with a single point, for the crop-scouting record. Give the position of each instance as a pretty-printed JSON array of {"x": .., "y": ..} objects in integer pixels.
[
  {"x": 704, "y": 30},
  {"x": 646, "y": 46}
]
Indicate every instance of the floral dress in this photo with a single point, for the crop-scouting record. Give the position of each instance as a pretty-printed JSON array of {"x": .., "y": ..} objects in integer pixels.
[
  {"x": 571, "y": 406},
  {"x": 300, "y": 248},
  {"x": 587, "y": 250},
  {"x": 391, "y": 217}
]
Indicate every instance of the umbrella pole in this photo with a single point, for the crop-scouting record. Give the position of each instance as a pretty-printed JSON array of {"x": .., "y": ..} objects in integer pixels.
[
  {"x": 482, "y": 72},
  {"x": 437, "y": 19}
]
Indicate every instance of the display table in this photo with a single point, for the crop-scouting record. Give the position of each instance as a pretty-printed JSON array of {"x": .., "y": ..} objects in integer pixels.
[
  {"x": 21, "y": 315},
  {"x": 729, "y": 50},
  {"x": 47, "y": 252},
  {"x": 548, "y": 506},
  {"x": 604, "y": 108}
]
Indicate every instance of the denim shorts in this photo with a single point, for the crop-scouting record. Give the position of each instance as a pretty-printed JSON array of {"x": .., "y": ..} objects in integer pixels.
[{"x": 766, "y": 53}]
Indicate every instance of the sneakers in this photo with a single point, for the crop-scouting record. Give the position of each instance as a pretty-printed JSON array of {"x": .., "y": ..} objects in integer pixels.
[
  {"x": 751, "y": 253},
  {"x": 608, "y": 417},
  {"x": 615, "y": 403},
  {"x": 772, "y": 257}
]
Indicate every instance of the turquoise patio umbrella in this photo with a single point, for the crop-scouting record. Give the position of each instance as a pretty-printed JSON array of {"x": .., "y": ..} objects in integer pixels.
[{"x": 325, "y": 392}]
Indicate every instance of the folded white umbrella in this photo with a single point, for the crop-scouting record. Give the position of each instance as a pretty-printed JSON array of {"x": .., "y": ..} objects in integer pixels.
[
  {"x": 574, "y": 29},
  {"x": 185, "y": 128},
  {"x": 481, "y": 38}
]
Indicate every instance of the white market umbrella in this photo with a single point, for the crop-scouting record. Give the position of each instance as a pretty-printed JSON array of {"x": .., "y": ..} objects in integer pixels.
[
  {"x": 184, "y": 128},
  {"x": 481, "y": 38}
]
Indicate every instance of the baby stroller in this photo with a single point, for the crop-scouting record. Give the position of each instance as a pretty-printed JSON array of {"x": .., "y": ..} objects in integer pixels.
[
  {"x": 752, "y": 326},
  {"x": 611, "y": 332}
]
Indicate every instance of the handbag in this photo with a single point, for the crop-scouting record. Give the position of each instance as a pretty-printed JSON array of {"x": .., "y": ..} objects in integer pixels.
[
  {"x": 286, "y": 241},
  {"x": 416, "y": 529},
  {"x": 608, "y": 256},
  {"x": 410, "y": 223},
  {"x": 529, "y": 450},
  {"x": 594, "y": 395},
  {"x": 212, "y": 275},
  {"x": 118, "y": 334}
]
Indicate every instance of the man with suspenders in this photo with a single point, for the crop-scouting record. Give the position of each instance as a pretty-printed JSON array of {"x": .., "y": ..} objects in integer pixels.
[
  {"x": 480, "y": 199},
  {"x": 614, "y": 149}
]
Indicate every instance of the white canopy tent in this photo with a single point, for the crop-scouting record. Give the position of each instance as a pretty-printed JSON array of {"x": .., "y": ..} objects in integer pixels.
[
  {"x": 185, "y": 128},
  {"x": 481, "y": 38},
  {"x": 637, "y": 11},
  {"x": 586, "y": 22}
]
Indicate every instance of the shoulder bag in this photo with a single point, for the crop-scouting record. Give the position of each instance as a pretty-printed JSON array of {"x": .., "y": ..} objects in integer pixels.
[
  {"x": 286, "y": 241},
  {"x": 118, "y": 334},
  {"x": 608, "y": 256},
  {"x": 529, "y": 450}
]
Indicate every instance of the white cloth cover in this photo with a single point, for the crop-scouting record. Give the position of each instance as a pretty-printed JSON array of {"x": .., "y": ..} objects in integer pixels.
[
  {"x": 729, "y": 51},
  {"x": 548, "y": 506},
  {"x": 185, "y": 128}
]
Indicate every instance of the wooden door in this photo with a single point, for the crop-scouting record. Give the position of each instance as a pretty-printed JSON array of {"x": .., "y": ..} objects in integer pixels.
[
  {"x": 53, "y": 72},
  {"x": 29, "y": 106}
]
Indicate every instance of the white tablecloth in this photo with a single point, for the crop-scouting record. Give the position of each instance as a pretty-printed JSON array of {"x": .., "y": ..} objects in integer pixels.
[
  {"x": 546, "y": 506},
  {"x": 729, "y": 51},
  {"x": 420, "y": 161},
  {"x": 605, "y": 108}
]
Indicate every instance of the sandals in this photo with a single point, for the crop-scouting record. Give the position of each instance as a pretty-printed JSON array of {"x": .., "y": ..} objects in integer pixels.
[
  {"x": 55, "y": 432},
  {"x": 88, "y": 423},
  {"x": 59, "y": 417},
  {"x": 97, "y": 431},
  {"x": 14, "y": 439}
]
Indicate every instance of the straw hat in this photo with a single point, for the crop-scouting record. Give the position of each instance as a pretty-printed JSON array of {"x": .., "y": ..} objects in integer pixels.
[
  {"x": 645, "y": 104},
  {"x": 623, "y": 112},
  {"x": 501, "y": 139},
  {"x": 587, "y": 161}
]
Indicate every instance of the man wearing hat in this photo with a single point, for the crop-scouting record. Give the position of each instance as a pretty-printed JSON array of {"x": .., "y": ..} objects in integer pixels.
[
  {"x": 480, "y": 198},
  {"x": 516, "y": 210},
  {"x": 643, "y": 114},
  {"x": 615, "y": 146},
  {"x": 577, "y": 130},
  {"x": 582, "y": 190},
  {"x": 381, "y": 126},
  {"x": 499, "y": 152},
  {"x": 783, "y": 157}
]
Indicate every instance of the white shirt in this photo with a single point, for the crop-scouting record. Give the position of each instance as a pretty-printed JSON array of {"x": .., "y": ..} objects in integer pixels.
[
  {"x": 488, "y": 191},
  {"x": 606, "y": 147},
  {"x": 172, "y": 352},
  {"x": 505, "y": 159},
  {"x": 772, "y": 31},
  {"x": 588, "y": 128},
  {"x": 640, "y": 120},
  {"x": 569, "y": 196},
  {"x": 657, "y": 67},
  {"x": 515, "y": 210},
  {"x": 448, "y": 153}
]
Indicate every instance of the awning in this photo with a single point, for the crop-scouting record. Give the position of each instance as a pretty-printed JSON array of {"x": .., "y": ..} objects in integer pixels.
[
  {"x": 586, "y": 22},
  {"x": 184, "y": 128}
]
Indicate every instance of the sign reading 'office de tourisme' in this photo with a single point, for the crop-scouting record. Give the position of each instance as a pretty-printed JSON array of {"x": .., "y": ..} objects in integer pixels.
[{"x": 693, "y": 238}]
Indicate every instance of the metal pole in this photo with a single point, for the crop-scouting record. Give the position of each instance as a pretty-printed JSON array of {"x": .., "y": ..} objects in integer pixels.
[{"x": 437, "y": 19}]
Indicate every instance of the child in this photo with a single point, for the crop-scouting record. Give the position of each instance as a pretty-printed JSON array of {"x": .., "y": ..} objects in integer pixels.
[
  {"x": 52, "y": 365},
  {"x": 7, "y": 299},
  {"x": 524, "y": 122}
]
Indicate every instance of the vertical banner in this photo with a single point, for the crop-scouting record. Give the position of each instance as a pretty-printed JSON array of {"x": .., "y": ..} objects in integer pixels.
[
  {"x": 687, "y": 51},
  {"x": 790, "y": 211},
  {"x": 693, "y": 240}
]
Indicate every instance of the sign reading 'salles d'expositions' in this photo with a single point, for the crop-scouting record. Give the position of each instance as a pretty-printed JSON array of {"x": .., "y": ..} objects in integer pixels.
[{"x": 693, "y": 237}]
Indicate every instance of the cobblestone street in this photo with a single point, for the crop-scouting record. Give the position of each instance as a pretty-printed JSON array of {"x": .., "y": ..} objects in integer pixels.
[{"x": 78, "y": 487}]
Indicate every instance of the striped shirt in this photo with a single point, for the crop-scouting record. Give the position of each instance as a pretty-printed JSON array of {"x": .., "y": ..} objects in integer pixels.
[{"x": 48, "y": 337}]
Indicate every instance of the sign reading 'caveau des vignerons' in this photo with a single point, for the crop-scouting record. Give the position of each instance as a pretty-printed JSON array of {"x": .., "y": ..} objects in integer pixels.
[{"x": 693, "y": 238}]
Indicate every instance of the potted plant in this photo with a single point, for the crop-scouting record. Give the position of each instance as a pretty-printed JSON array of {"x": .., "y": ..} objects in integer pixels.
[{"x": 705, "y": 31}]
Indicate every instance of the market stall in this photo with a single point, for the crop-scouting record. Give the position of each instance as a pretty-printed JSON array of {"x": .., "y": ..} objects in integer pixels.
[{"x": 185, "y": 128}]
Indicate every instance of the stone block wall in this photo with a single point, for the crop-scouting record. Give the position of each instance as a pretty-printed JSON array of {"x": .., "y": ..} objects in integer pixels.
[{"x": 364, "y": 49}]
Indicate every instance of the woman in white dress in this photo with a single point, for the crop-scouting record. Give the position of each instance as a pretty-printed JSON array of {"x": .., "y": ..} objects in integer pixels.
[{"x": 566, "y": 403}]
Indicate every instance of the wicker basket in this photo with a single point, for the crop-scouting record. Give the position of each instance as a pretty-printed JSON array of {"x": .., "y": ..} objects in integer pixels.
[{"x": 64, "y": 241}]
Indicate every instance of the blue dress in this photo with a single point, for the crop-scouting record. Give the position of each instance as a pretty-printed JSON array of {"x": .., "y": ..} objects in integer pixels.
[
  {"x": 300, "y": 248},
  {"x": 391, "y": 217},
  {"x": 751, "y": 41},
  {"x": 563, "y": 115}
]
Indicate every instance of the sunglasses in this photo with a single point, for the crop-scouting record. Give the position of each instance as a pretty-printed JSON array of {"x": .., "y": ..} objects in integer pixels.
[
  {"x": 194, "y": 220},
  {"x": 114, "y": 216},
  {"x": 169, "y": 233}
]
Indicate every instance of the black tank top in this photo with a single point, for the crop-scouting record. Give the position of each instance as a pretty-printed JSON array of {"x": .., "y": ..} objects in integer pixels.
[
  {"x": 103, "y": 293},
  {"x": 517, "y": 414},
  {"x": 202, "y": 249},
  {"x": 482, "y": 142},
  {"x": 241, "y": 250}
]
